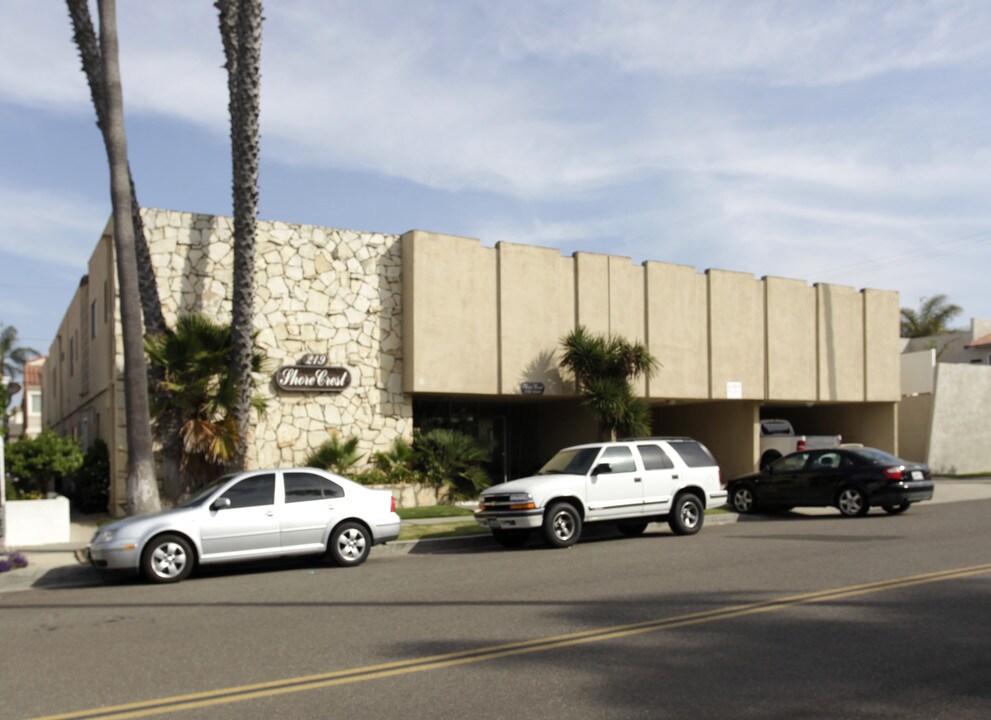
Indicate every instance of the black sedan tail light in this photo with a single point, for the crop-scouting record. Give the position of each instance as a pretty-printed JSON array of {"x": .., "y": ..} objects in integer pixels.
[{"x": 894, "y": 472}]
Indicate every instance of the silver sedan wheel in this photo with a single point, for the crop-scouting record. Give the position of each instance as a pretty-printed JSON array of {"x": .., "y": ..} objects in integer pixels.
[
  {"x": 349, "y": 544},
  {"x": 167, "y": 558}
]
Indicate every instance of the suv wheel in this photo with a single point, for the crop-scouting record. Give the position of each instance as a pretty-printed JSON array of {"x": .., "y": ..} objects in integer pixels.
[
  {"x": 687, "y": 515},
  {"x": 562, "y": 525}
]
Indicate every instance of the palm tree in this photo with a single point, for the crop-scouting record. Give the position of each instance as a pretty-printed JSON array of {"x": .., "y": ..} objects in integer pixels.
[
  {"x": 932, "y": 318},
  {"x": 154, "y": 320},
  {"x": 12, "y": 359},
  {"x": 195, "y": 362},
  {"x": 142, "y": 487},
  {"x": 603, "y": 368},
  {"x": 241, "y": 32}
]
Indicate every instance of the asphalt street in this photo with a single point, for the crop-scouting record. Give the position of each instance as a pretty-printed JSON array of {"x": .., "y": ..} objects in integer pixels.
[{"x": 798, "y": 615}]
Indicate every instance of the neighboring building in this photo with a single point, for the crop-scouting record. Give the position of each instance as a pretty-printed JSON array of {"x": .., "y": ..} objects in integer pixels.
[
  {"x": 438, "y": 330},
  {"x": 31, "y": 397},
  {"x": 946, "y": 389}
]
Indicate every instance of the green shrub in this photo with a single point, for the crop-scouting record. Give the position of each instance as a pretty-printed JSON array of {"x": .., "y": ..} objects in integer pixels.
[
  {"x": 90, "y": 486},
  {"x": 38, "y": 462}
]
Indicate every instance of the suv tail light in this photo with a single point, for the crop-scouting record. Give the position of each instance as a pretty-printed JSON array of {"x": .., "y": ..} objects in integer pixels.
[
  {"x": 800, "y": 445},
  {"x": 894, "y": 472},
  {"x": 392, "y": 505}
]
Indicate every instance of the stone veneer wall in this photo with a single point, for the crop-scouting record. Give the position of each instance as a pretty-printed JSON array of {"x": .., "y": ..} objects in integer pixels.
[{"x": 317, "y": 290}]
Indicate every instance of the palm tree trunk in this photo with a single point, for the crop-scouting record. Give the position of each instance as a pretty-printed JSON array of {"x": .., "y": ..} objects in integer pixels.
[
  {"x": 142, "y": 488},
  {"x": 168, "y": 422},
  {"x": 240, "y": 29}
]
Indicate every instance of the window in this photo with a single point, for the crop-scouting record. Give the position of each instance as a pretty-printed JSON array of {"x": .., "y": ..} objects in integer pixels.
[
  {"x": 826, "y": 461},
  {"x": 34, "y": 403},
  {"x": 654, "y": 458},
  {"x": 301, "y": 487},
  {"x": 694, "y": 454},
  {"x": 92, "y": 319},
  {"x": 790, "y": 463},
  {"x": 252, "y": 492},
  {"x": 620, "y": 459}
]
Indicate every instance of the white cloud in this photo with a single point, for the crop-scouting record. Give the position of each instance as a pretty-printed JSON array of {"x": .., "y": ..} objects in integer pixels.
[{"x": 47, "y": 226}]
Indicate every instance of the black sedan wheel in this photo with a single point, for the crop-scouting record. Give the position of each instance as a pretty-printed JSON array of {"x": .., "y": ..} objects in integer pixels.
[
  {"x": 349, "y": 544},
  {"x": 743, "y": 500},
  {"x": 687, "y": 515},
  {"x": 167, "y": 559},
  {"x": 562, "y": 525},
  {"x": 852, "y": 502},
  {"x": 511, "y": 538},
  {"x": 896, "y": 509}
]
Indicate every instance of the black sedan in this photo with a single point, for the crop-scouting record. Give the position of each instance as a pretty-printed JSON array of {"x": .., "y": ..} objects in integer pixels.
[{"x": 850, "y": 479}]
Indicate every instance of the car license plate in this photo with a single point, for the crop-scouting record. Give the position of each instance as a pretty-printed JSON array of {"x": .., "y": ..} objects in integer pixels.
[
  {"x": 916, "y": 474},
  {"x": 493, "y": 523}
]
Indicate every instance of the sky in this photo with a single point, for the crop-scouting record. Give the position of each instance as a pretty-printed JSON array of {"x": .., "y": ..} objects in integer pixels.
[{"x": 840, "y": 142}]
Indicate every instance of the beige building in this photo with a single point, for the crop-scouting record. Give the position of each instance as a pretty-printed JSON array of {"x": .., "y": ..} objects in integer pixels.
[{"x": 439, "y": 330}]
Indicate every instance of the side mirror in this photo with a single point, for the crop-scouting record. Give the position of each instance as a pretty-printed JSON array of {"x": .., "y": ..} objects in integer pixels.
[
  {"x": 602, "y": 469},
  {"x": 221, "y": 503}
]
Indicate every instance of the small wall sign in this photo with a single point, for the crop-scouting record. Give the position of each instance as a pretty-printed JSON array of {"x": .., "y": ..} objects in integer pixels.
[
  {"x": 311, "y": 374},
  {"x": 532, "y": 388}
]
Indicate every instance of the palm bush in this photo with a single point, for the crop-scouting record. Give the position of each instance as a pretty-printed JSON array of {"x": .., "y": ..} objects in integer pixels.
[
  {"x": 452, "y": 460},
  {"x": 195, "y": 359},
  {"x": 334, "y": 455}
]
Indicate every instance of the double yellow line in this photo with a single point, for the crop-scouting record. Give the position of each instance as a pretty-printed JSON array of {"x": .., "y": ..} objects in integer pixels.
[{"x": 273, "y": 688}]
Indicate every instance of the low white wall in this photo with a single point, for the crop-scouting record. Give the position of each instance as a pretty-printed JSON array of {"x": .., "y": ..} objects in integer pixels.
[
  {"x": 960, "y": 440},
  {"x": 36, "y": 522}
]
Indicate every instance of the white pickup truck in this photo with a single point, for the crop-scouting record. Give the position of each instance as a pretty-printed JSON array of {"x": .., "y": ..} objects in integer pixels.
[
  {"x": 778, "y": 438},
  {"x": 629, "y": 483}
]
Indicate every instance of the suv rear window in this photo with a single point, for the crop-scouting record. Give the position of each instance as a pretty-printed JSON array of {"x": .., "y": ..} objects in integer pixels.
[
  {"x": 694, "y": 454},
  {"x": 654, "y": 458}
]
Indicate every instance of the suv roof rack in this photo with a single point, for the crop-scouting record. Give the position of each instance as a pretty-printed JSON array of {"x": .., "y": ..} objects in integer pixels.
[{"x": 666, "y": 438}]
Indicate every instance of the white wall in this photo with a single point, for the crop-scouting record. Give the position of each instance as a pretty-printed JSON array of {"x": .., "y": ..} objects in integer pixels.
[{"x": 960, "y": 440}]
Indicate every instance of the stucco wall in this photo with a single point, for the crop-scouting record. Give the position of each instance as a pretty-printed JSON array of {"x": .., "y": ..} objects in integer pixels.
[
  {"x": 960, "y": 439},
  {"x": 841, "y": 343},
  {"x": 677, "y": 334},
  {"x": 918, "y": 372},
  {"x": 536, "y": 309},
  {"x": 451, "y": 316},
  {"x": 882, "y": 345},
  {"x": 83, "y": 394},
  {"x": 736, "y": 334},
  {"x": 791, "y": 339},
  {"x": 592, "y": 292}
]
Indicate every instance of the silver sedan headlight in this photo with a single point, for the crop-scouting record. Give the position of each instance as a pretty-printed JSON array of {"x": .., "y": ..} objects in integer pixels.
[{"x": 104, "y": 536}]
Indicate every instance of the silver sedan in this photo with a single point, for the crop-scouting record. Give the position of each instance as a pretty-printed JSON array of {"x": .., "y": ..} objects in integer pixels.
[{"x": 249, "y": 516}]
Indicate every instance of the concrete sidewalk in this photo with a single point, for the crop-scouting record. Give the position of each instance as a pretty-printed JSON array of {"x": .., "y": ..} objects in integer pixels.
[{"x": 57, "y": 566}]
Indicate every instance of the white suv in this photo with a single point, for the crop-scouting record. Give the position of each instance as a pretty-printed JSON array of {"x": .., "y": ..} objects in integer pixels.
[{"x": 630, "y": 483}]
